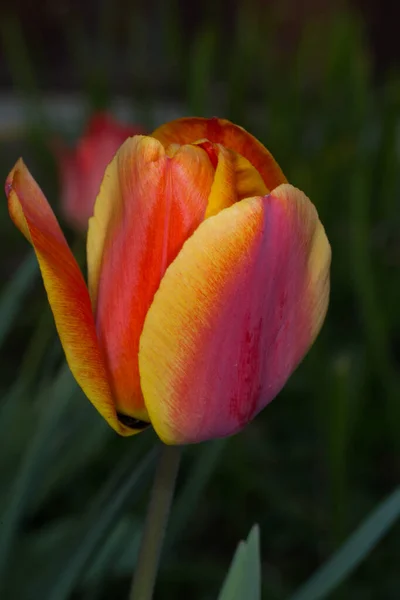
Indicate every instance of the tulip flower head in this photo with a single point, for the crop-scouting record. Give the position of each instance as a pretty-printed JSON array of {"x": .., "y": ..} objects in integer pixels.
[
  {"x": 208, "y": 280},
  {"x": 82, "y": 168}
]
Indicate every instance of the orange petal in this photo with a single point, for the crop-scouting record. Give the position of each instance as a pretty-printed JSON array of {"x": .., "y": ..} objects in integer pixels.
[
  {"x": 234, "y": 315},
  {"x": 66, "y": 290},
  {"x": 149, "y": 203},
  {"x": 192, "y": 129}
]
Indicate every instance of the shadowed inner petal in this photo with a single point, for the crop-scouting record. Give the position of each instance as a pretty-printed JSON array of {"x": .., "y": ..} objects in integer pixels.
[{"x": 235, "y": 178}]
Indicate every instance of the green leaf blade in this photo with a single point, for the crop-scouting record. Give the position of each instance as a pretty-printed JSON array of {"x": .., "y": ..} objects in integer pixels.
[
  {"x": 350, "y": 555},
  {"x": 244, "y": 576}
]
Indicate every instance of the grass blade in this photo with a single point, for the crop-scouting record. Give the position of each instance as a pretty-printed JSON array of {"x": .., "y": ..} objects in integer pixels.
[
  {"x": 59, "y": 395},
  {"x": 343, "y": 562},
  {"x": 14, "y": 293},
  {"x": 244, "y": 576},
  {"x": 99, "y": 520}
]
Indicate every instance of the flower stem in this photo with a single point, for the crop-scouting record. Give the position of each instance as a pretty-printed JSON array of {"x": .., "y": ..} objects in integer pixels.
[{"x": 156, "y": 521}]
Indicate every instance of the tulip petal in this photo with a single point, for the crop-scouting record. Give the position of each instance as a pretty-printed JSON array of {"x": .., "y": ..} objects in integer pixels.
[
  {"x": 191, "y": 129},
  {"x": 66, "y": 290},
  {"x": 249, "y": 182},
  {"x": 149, "y": 203},
  {"x": 235, "y": 178},
  {"x": 234, "y": 315}
]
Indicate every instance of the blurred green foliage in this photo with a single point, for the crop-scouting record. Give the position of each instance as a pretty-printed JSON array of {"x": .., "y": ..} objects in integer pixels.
[{"x": 320, "y": 458}]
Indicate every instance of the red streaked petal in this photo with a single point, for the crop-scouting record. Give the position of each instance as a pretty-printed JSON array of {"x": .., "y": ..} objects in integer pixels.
[
  {"x": 148, "y": 205},
  {"x": 191, "y": 129},
  {"x": 66, "y": 290},
  {"x": 235, "y": 313}
]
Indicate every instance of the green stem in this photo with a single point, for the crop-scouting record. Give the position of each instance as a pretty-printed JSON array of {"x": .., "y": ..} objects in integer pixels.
[{"x": 156, "y": 521}]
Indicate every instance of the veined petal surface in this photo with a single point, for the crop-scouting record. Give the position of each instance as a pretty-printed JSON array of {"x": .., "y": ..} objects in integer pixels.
[
  {"x": 66, "y": 289},
  {"x": 149, "y": 203},
  {"x": 234, "y": 315},
  {"x": 191, "y": 129}
]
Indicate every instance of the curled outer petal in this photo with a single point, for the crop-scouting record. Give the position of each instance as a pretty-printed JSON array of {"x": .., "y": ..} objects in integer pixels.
[
  {"x": 66, "y": 290},
  {"x": 221, "y": 131},
  {"x": 149, "y": 203},
  {"x": 234, "y": 315}
]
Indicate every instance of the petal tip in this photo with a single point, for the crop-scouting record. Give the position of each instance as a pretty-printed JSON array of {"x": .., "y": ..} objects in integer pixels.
[{"x": 19, "y": 165}]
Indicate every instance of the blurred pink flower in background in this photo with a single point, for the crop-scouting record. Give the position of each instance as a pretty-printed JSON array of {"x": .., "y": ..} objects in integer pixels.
[{"x": 82, "y": 168}]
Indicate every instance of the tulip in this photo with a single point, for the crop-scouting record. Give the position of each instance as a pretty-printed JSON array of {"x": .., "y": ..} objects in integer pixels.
[
  {"x": 208, "y": 280},
  {"x": 82, "y": 168}
]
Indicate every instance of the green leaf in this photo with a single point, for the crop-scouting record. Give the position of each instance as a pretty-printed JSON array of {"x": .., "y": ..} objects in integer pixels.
[
  {"x": 123, "y": 541},
  {"x": 14, "y": 293},
  {"x": 101, "y": 517},
  {"x": 126, "y": 540},
  {"x": 244, "y": 576},
  {"x": 32, "y": 465},
  {"x": 350, "y": 555}
]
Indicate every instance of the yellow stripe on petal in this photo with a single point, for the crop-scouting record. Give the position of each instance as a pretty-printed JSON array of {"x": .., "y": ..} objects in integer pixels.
[
  {"x": 234, "y": 315},
  {"x": 66, "y": 290},
  {"x": 224, "y": 188},
  {"x": 248, "y": 180},
  {"x": 235, "y": 178},
  {"x": 220, "y": 131},
  {"x": 149, "y": 203}
]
